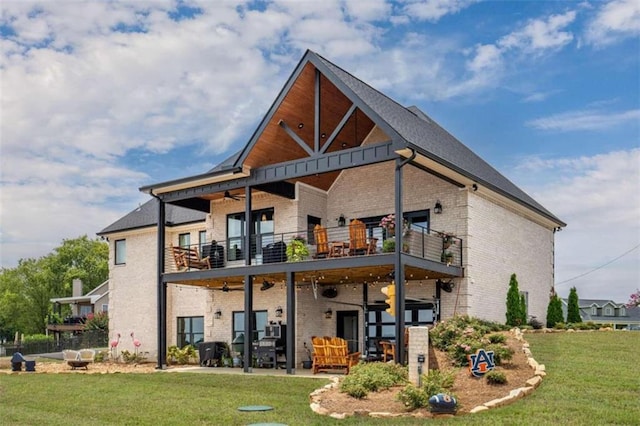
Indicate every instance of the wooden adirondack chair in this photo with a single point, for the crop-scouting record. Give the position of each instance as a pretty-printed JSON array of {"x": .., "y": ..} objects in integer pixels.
[
  {"x": 358, "y": 241},
  {"x": 322, "y": 242},
  {"x": 332, "y": 353}
]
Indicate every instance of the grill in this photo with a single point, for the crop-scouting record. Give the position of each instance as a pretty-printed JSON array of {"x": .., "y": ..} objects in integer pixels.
[{"x": 271, "y": 346}]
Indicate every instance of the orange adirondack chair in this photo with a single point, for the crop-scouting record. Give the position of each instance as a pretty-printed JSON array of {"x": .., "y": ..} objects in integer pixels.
[
  {"x": 358, "y": 241},
  {"x": 322, "y": 241}
]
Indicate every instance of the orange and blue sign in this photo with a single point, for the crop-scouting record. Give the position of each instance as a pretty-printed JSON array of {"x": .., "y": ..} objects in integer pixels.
[{"x": 481, "y": 362}]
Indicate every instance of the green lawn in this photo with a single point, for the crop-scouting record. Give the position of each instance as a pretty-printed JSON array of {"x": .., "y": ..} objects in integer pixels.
[{"x": 593, "y": 379}]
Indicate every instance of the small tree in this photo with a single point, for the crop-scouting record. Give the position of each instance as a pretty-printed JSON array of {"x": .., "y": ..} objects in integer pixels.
[
  {"x": 523, "y": 309},
  {"x": 554, "y": 311},
  {"x": 573, "y": 310},
  {"x": 515, "y": 311}
]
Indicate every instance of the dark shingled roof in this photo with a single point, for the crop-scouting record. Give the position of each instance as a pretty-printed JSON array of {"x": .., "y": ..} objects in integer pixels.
[
  {"x": 431, "y": 140},
  {"x": 147, "y": 215}
]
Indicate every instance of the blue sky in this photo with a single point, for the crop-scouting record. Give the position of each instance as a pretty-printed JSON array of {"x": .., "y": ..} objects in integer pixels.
[{"x": 100, "y": 98}]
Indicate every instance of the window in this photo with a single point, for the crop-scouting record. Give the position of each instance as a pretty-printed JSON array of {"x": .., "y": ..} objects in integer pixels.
[
  {"x": 594, "y": 310},
  {"x": 608, "y": 311},
  {"x": 259, "y": 321},
  {"x": 84, "y": 310},
  {"x": 623, "y": 311},
  {"x": 202, "y": 241},
  {"x": 190, "y": 331},
  {"x": 261, "y": 226},
  {"x": 312, "y": 221},
  {"x": 105, "y": 307},
  {"x": 416, "y": 220},
  {"x": 120, "y": 252},
  {"x": 184, "y": 240},
  {"x": 382, "y": 326}
]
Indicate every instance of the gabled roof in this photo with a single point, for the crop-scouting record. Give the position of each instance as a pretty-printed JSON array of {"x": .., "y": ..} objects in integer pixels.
[
  {"x": 147, "y": 215},
  {"x": 407, "y": 127},
  {"x": 431, "y": 140},
  {"x": 597, "y": 302}
]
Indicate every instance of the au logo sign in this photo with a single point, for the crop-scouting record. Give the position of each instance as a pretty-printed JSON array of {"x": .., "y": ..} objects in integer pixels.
[{"x": 481, "y": 363}]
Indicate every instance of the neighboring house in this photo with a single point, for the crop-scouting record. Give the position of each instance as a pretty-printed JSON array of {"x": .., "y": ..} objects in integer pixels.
[
  {"x": 607, "y": 312},
  {"x": 95, "y": 301},
  {"x": 330, "y": 149}
]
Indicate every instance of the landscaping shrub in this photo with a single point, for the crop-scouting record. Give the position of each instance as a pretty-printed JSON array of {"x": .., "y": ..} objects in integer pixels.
[
  {"x": 535, "y": 323},
  {"x": 554, "y": 311},
  {"x": 497, "y": 338},
  {"x": 371, "y": 377},
  {"x": 560, "y": 326},
  {"x": 435, "y": 382},
  {"x": 573, "y": 310},
  {"x": 496, "y": 377},
  {"x": 133, "y": 358},
  {"x": 461, "y": 336},
  {"x": 413, "y": 397},
  {"x": 175, "y": 355},
  {"x": 516, "y": 310}
]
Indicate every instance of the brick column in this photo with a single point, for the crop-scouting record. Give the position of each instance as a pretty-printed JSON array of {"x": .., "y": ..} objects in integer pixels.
[{"x": 418, "y": 345}]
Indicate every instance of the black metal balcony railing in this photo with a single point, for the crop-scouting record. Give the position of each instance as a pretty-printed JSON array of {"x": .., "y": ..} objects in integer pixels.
[{"x": 301, "y": 246}]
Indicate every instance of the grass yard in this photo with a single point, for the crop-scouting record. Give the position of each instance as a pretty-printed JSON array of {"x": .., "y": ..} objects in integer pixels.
[{"x": 593, "y": 379}]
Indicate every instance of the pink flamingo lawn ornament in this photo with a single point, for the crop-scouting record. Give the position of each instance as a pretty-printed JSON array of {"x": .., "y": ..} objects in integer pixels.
[
  {"x": 136, "y": 343},
  {"x": 114, "y": 347}
]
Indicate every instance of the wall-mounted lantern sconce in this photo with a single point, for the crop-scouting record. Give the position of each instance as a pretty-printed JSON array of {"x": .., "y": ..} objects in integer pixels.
[
  {"x": 328, "y": 313},
  {"x": 218, "y": 314},
  {"x": 437, "y": 209},
  {"x": 342, "y": 221},
  {"x": 279, "y": 311}
]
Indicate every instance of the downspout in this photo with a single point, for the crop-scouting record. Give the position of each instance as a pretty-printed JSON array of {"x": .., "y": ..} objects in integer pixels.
[
  {"x": 398, "y": 265},
  {"x": 161, "y": 287}
]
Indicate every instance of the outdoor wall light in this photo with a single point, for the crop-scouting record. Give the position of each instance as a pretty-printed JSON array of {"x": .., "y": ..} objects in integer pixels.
[
  {"x": 342, "y": 221},
  {"x": 279, "y": 311},
  {"x": 218, "y": 314},
  {"x": 437, "y": 209},
  {"x": 328, "y": 313}
]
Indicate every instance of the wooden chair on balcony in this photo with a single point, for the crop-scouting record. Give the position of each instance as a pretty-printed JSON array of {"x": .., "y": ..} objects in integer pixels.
[
  {"x": 358, "y": 241},
  {"x": 322, "y": 242}
]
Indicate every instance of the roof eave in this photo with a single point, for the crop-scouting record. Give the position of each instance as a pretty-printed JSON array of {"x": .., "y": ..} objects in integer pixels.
[
  {"x": 197, "y": 180},
  {"x": 466, "y": 179}
]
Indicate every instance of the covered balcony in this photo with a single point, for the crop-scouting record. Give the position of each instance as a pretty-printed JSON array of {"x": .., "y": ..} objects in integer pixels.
[{"x": 337, "y": 254}]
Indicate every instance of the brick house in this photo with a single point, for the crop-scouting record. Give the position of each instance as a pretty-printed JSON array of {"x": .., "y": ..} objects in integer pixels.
[{"x": 329, "y": 150}]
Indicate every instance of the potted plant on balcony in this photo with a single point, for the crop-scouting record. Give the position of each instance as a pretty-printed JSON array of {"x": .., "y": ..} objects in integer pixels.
[
  {"x": 447, "y": 257},
  {"x": 297, "y": 249}
]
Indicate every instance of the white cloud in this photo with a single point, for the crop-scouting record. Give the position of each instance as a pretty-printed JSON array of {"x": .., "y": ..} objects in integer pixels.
[
  {"x": 616, "y": 20},
  {"x": 433, "y": 10},
  {"x": 585, "y": 120},
  {"x": 540, "y": 35},
  {"x": 597, "y": 197}
]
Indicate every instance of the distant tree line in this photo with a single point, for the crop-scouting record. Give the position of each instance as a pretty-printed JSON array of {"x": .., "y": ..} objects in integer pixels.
[{"x": 26, "y": 290}]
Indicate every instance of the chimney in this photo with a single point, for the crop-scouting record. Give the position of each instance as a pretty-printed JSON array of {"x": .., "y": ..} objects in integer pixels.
[{"x": 77, "y": 287}]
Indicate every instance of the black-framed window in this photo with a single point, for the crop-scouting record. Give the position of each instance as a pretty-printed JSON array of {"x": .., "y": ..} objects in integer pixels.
[
  {"x": 184, "y": 240},
  {"x": 262, "y": 227},
  {"x": 190, "y": 331},
  {"x": 120, "y": 247},
  {"x": 382, "y": 326},
  {"x": 259, "y": 319}
]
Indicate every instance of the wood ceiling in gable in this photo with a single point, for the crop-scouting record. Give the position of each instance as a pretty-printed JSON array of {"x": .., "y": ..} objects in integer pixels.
[{"x": 297, "y": 110}]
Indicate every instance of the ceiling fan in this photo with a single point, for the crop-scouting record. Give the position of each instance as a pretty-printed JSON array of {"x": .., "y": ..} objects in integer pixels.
[
  {"x": 225, "y": 288},
  {"x": 228, "y": 196}
]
